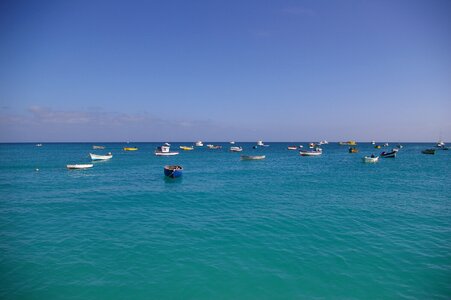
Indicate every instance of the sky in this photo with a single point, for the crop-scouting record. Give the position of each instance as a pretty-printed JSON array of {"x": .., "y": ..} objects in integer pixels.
[{"x": 225, "y": 70}]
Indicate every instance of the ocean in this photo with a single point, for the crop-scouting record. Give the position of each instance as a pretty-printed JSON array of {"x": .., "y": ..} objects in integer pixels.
[{"x": 287, "y": 227}]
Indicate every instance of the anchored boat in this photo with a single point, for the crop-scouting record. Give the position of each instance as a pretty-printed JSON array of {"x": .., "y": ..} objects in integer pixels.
[
  {"x": 101, "y": 157},
  {"x": 164, "y": 151},
  {"x": 130, "y": 149},
  {"x": 292, "y": 147},
  {"x": 353, "y": 150},
  {"x": 252, "y": 157},
  {"x": 186, "y": 148},
  {"x": 391, "y": 154},
  {"x": 236, "y": 149},
  {"x": 95, "y": 147},
  {"x": 173, "y": 171},
  {"x": 428, "y": 151},
  {"x": 79, "y": 166},
  {"x": 370, "y": 159},
  {"x": 315, "y": 152}
]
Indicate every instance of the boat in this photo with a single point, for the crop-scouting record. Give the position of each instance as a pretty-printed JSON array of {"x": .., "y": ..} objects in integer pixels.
[
  {"x": 252, "y": 157},
  {"x": 98, "y": 147},
  {"x": 373, "y": 142},
  {"x": 428, "y": 151},
  {"x": 399, "y": 146},
  {"x": 38, "y": 145},
  {"x": 79, "y": 166},
  {"x": 349, "y": 143},
  {"x": 370, "y": 159},
  {"x": 377, "y": 146},
  {"x": 353, "y": 150},
  {"x": 440, "y": 143},
  {"x": 391, "y": 154},
  {"x": 164, "y": 151},
  {"x": 261, "y": 144},
  {"x": 232, "y": 143},
  {"x": 167, "y": 144},
  {"x": 292, "y": 148},
  {"x": 312, "y": 145},
  {"x": 130, "y": 148},
  {"x": 101, "y": 157},
  {"x": 236, "y": 149},
  {"x": 186, "y": 148},
  {"x": 173, "y": 171},
  {"x": 199, "y": 144},
  {"x": 315, "y": 152},
  {"x": 324, "y": 142},
  {"x": 214, "y": 147},
  {"x": 386, "y": 145}
]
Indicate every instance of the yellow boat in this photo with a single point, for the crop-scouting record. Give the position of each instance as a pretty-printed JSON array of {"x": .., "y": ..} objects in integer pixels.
[
  {"x": 377, "y": 146},
  {"x": 349, "y": 143},
  {"x": 353, "y": 150},
  {"x": 130, "y": 148},
  {"x": 186, "y": 148}
]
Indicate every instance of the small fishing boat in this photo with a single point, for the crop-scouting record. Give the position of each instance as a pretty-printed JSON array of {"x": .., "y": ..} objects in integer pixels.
[
  {"x": 38, "y": 145},
  {"x": 164, "y": 151},
  {"x": 186, "y": 148},
  {"x": 173, "y": 171},
  {"x": 370, "y": 159},
  {"x": 130, "y": 149},
  {"x": 315, "y": 152},
  {"x": 79, "y": 166},
  {"x": 349, "y": 143},
  {"x": 428, "y": 151},
  {"x": 377, "y": 146},
  {"x": 261, "y": 144},
  {"x": 199, "y": 144},
  {"x": 386, "y": 145},
  {"x": 324, "y": 142},
  {"x": 292, "y": 148},
  {"x": 101, "y": 157},
  {"x": 98, "y": 147},
  {"x": 236, "y": 149},
  {"x": 373, "y": 142},
  {"x": 353, "y": 150},
  {"x": 252, "y": 157},
  {"x": 214, "y": 147},
  {"x": 232, "y": 143},
  {"x": 391, "y": 154}
]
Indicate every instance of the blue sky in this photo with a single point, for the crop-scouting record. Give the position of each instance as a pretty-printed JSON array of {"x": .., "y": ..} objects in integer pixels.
[{"x": 225, "y": 70}]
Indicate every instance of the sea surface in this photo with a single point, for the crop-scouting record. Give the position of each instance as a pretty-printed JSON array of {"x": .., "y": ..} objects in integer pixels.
[{"x": 287, "y": 227}]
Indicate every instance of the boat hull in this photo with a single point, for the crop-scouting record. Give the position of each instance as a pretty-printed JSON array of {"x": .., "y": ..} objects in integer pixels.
[
  {"x": 79, "y": 166},
  {"x": 252, "y": 157},
  {"x": 389, "y": 154},
  {"x": 428, "y": 151},
  {"x": 368, "y": 159},
  {"x": 100, "y": 157},
  {"x": 130, "y": 149},
  {"x": 173, "y": 171},
  {"x": 166, "y": 153},
  {"x": 310, "y": 153}
]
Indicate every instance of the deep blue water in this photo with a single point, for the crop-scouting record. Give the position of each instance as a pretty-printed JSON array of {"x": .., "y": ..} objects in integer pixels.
[{"x": 288, "y": 227}]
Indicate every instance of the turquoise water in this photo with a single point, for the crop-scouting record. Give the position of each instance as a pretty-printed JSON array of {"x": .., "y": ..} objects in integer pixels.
[{"x": 288, "y": 227}]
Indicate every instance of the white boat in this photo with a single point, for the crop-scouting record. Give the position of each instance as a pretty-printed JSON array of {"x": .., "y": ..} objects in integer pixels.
[
  {"x": 373, "y": 142},
  {"x": 98, "y": 147},
  {"x": 164, "y": 151},
  {"x": 232, "y": 143},
  {"x": 199, "y": 144},
  {"x": 79, "y": 166},
  {"x": 38, "y": 145},
  {"x": 252, "y": 157},
  {"x": 386, "y": 145},
  {"x": 324, "y": 142},
  {"x": 167, "y": 144},
  {"x": 236, "y": 149},
  {"x": 100, "y": 157},
  {"x": 370, "y": 159},
  {"x": 261, "y": 144},
  {"x": 315, "y": 152}
]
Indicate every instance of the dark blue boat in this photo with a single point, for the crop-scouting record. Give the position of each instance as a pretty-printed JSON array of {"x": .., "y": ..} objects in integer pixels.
[{"x": 173, "y": 171}]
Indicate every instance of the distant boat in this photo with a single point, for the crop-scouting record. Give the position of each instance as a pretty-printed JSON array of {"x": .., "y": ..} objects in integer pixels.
[
  {"x": 98, "y": 147},
  {"x": 173, "y": 171},
  {"x": 399, "y": 146},
  {"x": 38, "y": 145},
  {"x": 252, "y": 157},
  {"x": 261, "y": 144},
  {"x": 312, "y": 145},
  {"x": 386, "y": 145},
  {"x": 377, "y": 146},
  {"x": 164, "y": 151},
  {"x": 315, "y": 152},
  {"x": 428, "y": 151},
  {"x": 373, "y": 143},
  {"x": 236, "y": 149},
  {"x": 440, "y": 143},
  {"x": 199, "y": 144},
  {"x": 370, "y": 159},
  {"x": 186, "y": 148},
  {"x": 101, "y": 157},
  {"x": 232, "y": 142},
  {"x": 349, "y": 143},
  {"x": 130, "y": 149},
  {"x": 353, "y": 150},
  {"x": 79, "y": 166},
  {"x": 292, "y": 148},
  {"x": 324, "y": 142},
  {"x": 391, "y": 154},
  {"x": 167, "y": 144},
  {"x": 214, "y": 147}
]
